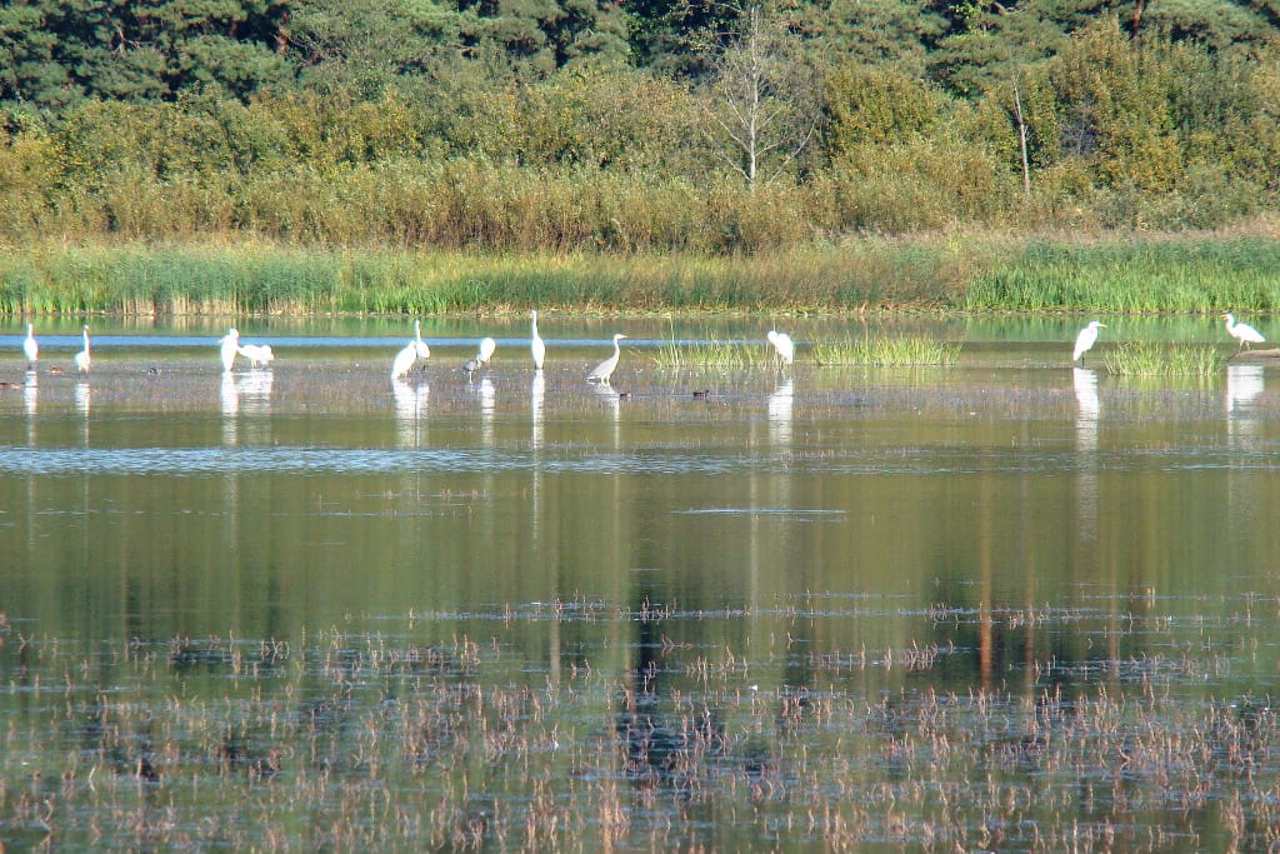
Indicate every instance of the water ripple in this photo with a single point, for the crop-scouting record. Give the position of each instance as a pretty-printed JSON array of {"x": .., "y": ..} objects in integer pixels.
[{"x": 17, "y": 460}]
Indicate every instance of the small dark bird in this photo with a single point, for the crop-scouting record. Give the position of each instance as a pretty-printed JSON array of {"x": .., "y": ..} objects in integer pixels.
[
  {"x": 145, "y": 770},
  {"x": 706, "y": 392},
  {"x": 153, "y": 371},
  {"x": 623, "y": 395}
]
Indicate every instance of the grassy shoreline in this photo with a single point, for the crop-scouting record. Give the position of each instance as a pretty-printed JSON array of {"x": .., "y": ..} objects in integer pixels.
[{"x": 1183, "y": 273}]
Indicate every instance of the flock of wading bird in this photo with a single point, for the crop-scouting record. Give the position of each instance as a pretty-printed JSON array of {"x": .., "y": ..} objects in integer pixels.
[{"x": 417, "y": 351}]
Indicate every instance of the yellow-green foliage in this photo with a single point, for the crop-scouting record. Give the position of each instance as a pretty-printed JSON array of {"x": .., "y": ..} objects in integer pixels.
[
  {"x": 600, "y": 157},
  {"x": 1152, "y": 359},
  {"x": 1116, "y": 99},
  {"x": 885, "y": 351},
  {"x": 866, "y": 104}
]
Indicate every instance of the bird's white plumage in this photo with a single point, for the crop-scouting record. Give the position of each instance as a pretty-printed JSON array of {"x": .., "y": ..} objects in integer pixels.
[
  {"x": 404, "y": 360},
  {"x": 603, "y": 371},
  {"x": 259, "y": 355},
  {"x": 83, "y": 358},
  {"x": 29, "y": 346},
  {"x": 230, "y": 347},
  {"x": 537, "y": 348},
  {"x": 783, "y": 346},
  {"x": 410, "y": 354},
  {"x": 420, "y": 346},
  {"x": 487, "y": 346},
  {"x": 1242, "y": 332},
  {"x": 1086, "y": 339}
]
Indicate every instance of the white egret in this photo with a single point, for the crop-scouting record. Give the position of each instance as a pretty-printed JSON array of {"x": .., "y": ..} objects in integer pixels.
[
  {"x": 83, "y": 358},
  {"x": 30, "y": 347},
  {"x": 424, "y": 352},
  {"x": 1085, "y": 340},
  {"x": 482, "y": 357},
  {"x": 783, "y": 345},
  {"x": 536, "y": 348},
  {"x": 1242, "y": 332},
  {"x": 410, "y": 353},
  {"x": 230, "y": 346},
  {"x": 604, "y": 370},
  {"x": 259, "y": 355},
  {"x": 404, "y": 360}
]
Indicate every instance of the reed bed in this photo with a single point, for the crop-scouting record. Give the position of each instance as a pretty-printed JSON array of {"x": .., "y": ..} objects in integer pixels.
[
  {"x": 1193, "y": 274},
  {"x": 886, "y": 351},
  {"x": 981, "y": 273},
  {"x": 273, "y": 279},
  {"x": 1153, "y": 359}
]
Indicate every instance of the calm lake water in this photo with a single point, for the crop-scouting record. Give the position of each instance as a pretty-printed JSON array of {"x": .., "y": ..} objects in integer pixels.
[{"x": 1008, "y": 603}]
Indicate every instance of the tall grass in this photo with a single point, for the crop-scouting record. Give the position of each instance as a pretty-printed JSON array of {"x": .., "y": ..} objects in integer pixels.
[
  {"x": 720, "y": 355},
  {"x": 1153, "y": 359},
  {"x": 269, "y": 278},
  {"x": 887, "y": 352},
  {"x": 1180, "y": 275},
  {"x": 940, "y": 271}
]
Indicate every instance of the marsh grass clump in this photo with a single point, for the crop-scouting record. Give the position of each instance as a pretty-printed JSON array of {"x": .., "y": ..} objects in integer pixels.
[
  {"x": 1154, "y": 359},
  {"x": 719, "y": 355},
  {"x": 906, "y": 351}
]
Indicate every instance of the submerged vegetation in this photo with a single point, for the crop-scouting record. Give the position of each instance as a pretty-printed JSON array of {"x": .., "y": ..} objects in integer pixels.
[
  {"x": 351, "y": 740},
  {"x": 1153, "y": 359},
  {"x": 884, "y": 351}
]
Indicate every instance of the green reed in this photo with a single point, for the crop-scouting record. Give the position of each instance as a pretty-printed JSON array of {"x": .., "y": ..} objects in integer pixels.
[
  {"x": 1149, "y": 358},
  {"x": 1184, "y": 275},
  {"x": 719, "y": 355},
  {"x": 886, "y": 351},
  {"x": 250, "y": 275}
]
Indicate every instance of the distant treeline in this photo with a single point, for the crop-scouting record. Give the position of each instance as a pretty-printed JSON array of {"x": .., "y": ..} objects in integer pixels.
[{"x": 637, "y": 127}]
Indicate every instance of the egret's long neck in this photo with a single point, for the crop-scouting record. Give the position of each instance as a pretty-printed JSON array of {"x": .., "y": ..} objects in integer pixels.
[
  {"x": 535, "y": 326},
  {"x": 617, "y": 351},
  {"x": 85, "y": 333}
]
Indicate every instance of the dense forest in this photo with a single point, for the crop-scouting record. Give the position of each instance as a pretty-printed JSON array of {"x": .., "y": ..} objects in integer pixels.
[{"x": 650, "y": 125}]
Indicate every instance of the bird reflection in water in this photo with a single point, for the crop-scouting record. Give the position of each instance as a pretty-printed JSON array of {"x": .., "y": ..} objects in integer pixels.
[
  {"x": 780, "y": 404},
  {"x": 411, "y": 411}
]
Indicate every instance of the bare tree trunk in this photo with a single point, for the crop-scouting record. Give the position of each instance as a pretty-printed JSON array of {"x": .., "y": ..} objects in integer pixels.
[
  {"x": 753, "y": 131},
  {"x": 1022, "y": 139},
  {"x": 753, "y": 111}
]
